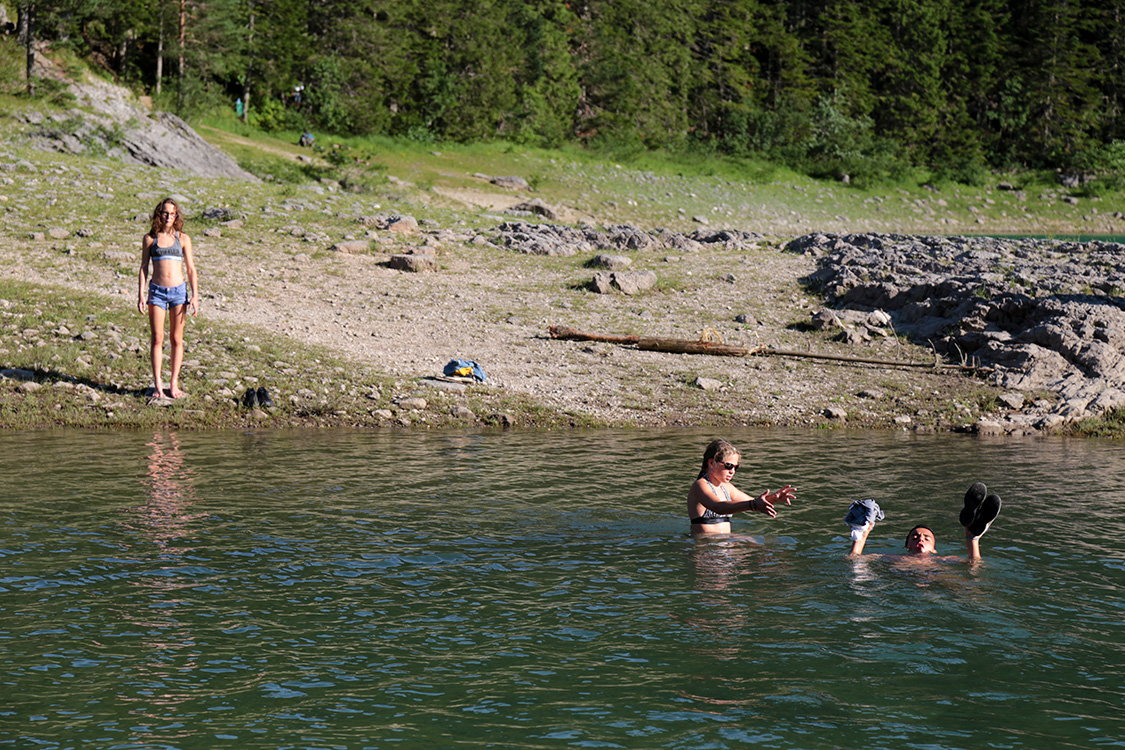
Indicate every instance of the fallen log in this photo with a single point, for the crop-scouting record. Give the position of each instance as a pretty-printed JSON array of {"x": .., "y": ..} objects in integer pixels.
[
  {"x": 685, "y": 346},
  {"x": 766, "y": 350},
  {"x": 570, "y": 334},
  {"x": 689, "y": 346}
]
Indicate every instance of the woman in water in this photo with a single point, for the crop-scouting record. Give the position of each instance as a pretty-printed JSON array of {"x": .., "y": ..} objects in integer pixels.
[
  {"x": 170, "y": 252},
  {"x": 712, "y": 499}
]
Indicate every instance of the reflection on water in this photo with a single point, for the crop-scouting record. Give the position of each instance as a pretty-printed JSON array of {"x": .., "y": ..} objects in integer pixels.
[
  {"x": 158, "y": 545},
  {"x": 170, "y": 495},
  {"x": 355, "y": 589}
]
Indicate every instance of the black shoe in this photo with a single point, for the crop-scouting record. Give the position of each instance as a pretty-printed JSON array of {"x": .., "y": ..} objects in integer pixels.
[
  {"x": 973, "y": 499},
  {"x": 986, "y": 514},
  {"x": 250, "y": 400},
  {"x": 264, "y": 399}
]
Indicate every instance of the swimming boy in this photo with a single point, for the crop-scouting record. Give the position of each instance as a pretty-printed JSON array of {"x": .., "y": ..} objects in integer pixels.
[{"x": 978, "y": 513}]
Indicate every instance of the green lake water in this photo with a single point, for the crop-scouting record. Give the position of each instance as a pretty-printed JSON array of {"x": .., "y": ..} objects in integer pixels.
[{"x": 539, "y": 590}]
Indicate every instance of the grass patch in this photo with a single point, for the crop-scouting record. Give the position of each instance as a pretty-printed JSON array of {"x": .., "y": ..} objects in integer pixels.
[
  {"x": 82, "y": 360},
  {"x": 1108, "y": 425}
]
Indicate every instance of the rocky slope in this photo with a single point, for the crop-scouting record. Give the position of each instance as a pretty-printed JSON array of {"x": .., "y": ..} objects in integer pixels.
[{"x": 1047, "y": 317}]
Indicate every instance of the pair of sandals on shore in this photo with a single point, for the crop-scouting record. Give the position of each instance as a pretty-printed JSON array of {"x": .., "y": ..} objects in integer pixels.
[
  {"x": 255, "y": 397},
  {"x": 979, "y": 511}
]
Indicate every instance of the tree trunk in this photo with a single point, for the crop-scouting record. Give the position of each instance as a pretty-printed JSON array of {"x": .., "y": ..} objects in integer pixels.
[
  {"x": 122, "y": 52},
  {"x": 21, "y": 22},
  {"x": 26, "y": 24},
  {"x": 183, "y": 39},
  {"x": 249, "y": 69}
]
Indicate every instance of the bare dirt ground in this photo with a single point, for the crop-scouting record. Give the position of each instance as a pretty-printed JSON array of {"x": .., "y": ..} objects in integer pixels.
[{"x": 495, "y": 307}]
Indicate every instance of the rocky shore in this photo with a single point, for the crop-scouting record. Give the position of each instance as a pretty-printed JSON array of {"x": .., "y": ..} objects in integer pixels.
[{"x": 1047, "y": 318}]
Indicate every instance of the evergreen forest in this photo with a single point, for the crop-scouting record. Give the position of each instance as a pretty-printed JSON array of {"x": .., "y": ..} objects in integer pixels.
[{"x": 863, "y": 88}]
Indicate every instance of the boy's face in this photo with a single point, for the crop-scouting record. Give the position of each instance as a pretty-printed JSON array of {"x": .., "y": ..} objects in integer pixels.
[{"x": 921, "y": 541}]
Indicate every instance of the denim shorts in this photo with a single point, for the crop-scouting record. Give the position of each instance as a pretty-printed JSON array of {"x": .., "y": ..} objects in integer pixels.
[{"x": 167, "y": 296}]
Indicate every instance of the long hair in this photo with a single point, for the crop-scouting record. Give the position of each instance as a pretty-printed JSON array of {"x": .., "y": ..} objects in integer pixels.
[
  {"x": 158, "y": 220},
  {"x": 718, "y": 450}
]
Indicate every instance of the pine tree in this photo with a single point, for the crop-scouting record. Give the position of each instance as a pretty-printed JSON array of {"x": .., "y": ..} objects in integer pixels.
[
  {"x": 637, "y": 76},
  {"x": 547, "y": 77},
  {"x": 1056, "y": 74}
]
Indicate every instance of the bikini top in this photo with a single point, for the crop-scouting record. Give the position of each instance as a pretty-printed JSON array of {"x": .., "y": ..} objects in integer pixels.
[
  {"x": 709, "y": 516},
  {"x": 175, "y": 251}
]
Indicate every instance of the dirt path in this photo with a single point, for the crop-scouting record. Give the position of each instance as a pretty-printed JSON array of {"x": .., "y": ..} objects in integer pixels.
[{"x": 221, "y": 136}]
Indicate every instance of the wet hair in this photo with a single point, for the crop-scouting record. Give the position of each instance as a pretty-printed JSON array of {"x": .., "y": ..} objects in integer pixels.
[
  {"x": 158, "y": 220},
  {"x": 906, "y": 542},
  {"x": 718, "y": 450}
]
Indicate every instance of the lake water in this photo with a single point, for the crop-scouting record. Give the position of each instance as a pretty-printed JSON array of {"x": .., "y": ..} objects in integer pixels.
[{"x": 415, "y": 590}]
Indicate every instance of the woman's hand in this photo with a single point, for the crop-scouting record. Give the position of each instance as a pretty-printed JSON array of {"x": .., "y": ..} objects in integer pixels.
[
  {"x": 786, "y": 494},
  {"x": 764, "y": 503}
]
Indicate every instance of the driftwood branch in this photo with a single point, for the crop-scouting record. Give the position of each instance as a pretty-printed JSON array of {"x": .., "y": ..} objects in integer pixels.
[{"x": 687, "y": 346}]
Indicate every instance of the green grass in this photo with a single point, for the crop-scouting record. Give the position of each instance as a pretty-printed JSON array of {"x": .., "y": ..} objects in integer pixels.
[{"x": 1109, "y": 425}]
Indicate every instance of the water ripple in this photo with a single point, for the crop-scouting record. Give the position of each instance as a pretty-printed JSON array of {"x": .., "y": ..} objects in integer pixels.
[{"x": 359, "y": 589}]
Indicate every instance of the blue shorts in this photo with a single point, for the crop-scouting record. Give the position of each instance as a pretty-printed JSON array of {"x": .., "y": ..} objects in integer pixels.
[{"x": 167, "y": 296}]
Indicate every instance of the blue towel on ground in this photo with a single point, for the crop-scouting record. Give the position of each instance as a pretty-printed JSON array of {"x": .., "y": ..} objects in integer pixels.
[{"x": 465, "y": 368}]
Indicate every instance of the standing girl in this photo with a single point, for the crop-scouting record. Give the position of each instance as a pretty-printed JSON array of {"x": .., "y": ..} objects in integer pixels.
[
  {"x": 712, "y": 499},
  {"x": 170, "y": 252}
]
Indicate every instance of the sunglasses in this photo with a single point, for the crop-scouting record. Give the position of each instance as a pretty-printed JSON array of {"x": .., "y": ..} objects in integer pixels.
[{"x": 728, "y": 466}]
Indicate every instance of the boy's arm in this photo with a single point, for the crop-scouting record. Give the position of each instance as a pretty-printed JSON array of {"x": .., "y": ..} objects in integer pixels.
[
  {"x": 972, "y": 546},
  {"x": 859, "y": 538}
]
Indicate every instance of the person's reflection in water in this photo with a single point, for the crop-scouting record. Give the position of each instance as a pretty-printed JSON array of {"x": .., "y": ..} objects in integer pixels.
[
  {"x": 735, "y": 576},
  {"x": 171, "y": 492},
  {"x": 164, "y": 671},
  {"x": 742, "y": 603}
]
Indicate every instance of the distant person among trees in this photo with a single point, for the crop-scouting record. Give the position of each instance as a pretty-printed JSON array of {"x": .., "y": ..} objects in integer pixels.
[
  {"x": 979, "y": 511},
  {"x": 170, "y": 252},
  {"x": 712, "y": 499}
]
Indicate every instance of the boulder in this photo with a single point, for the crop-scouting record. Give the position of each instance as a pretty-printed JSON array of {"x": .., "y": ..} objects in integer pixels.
[
  {"x": 219, "y": 213},
  {"x": 403, "y": 224},
  {"x": 352, "y": 247},
  {"x": 610, "y": 262},
  {"x": 823, "y": 320},
  {"x": 413, "y": 263},
  {"x": 1042, "y": 314},
  {"x": 602, "y": 282},
  {"x": 708, "y": 384},
  {"x": 538, "y": 207},
  {"x": 512, "y": 183},
  {"x": 634, "y": 282},
  {"x": 1011, "y": 400}
]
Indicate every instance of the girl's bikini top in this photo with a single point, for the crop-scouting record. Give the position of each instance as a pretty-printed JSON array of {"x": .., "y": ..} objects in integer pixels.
[
  {"x": 175, "y": 251},
  {"x": 709, "y": 516}
]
